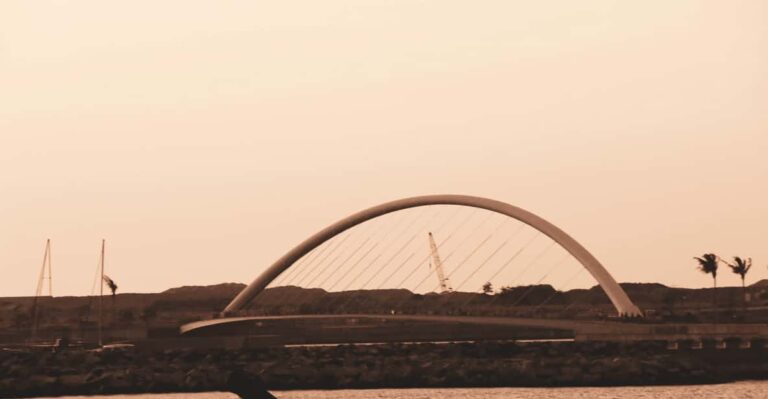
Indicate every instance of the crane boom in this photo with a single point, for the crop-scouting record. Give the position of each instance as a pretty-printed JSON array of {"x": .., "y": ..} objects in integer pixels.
[{"x": 442, "y": 280}]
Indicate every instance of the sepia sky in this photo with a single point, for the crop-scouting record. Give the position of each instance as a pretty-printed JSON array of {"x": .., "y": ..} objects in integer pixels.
[{"x": 205, "y": 139}]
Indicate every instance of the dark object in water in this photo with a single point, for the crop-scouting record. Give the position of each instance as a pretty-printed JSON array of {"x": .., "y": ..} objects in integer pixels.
[{"x": 247, "y": 386}]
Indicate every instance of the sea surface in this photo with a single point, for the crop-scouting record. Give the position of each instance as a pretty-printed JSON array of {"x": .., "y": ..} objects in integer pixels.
[{"x": 737, "y": 390}]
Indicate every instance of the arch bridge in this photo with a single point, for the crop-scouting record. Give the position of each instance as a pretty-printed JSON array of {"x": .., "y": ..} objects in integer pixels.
[{"x": 618, "y": 297}]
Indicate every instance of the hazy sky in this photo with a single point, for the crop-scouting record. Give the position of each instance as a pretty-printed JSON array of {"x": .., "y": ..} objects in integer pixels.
[{"x": 205, "y": 139}]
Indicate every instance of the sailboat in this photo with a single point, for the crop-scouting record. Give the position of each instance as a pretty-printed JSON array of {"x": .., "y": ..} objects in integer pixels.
[
  {"x": 105, "y": 280},
  {"x": 101, "y": 295},
  {"x": 99, "y": 279}
]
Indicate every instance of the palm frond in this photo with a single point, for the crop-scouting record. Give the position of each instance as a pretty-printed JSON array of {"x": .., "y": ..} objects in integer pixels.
[
  {"x": 740, "y": 265},
  {"x": 708, "y": 264}
]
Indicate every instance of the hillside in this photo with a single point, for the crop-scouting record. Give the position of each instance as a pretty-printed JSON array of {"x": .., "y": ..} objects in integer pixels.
[
  {"x": 140, "y": 314},
  {"x": 215, "y": 291}
]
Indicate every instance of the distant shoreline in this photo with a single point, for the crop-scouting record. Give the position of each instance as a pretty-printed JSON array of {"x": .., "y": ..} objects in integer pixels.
[{"x": 132, "y": 317}]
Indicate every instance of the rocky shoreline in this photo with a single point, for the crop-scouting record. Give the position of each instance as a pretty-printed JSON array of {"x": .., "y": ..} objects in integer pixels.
[{"x": 482, "y": 364}]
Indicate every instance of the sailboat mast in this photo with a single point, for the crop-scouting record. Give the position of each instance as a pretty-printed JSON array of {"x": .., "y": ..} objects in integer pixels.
[
  {"x": 50, "y": 268},
  {"x": 101, "y": 293},
  {"x": 39, "y": 291}
]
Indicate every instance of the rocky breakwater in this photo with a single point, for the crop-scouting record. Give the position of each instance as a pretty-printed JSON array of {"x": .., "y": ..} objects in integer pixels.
[{"x": 69, "y": 372}]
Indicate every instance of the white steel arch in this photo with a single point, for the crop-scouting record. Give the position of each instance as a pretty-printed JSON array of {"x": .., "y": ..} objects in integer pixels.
[{"x": 615, "y": 293}]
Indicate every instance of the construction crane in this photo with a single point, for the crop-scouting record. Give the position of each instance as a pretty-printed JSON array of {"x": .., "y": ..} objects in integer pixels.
[{"x": 442, "y": 280}]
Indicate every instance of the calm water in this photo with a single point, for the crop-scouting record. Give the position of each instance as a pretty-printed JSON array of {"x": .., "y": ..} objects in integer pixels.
[{"x": 739, "y": 390}]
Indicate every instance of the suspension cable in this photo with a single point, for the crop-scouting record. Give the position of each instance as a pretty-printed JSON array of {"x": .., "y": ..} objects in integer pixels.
[
  {"x": 404, "y": 246},
  {"x": 533, "y": 286},
  {"x": 354, "y": 265},
  {"x": 308, "y": 258},
  {"x": 534, "y": 260},
  {"x": 482, "y": 222},
  {"x": 560, "y": 289},
  {"x": 329, "y": 254},
  {"x": 483, "y": 263},
  {"x": 383, "y": 251},
  {"x": 306, "y": 270},
  {"x": 510, "y": 260},
  {"x": 388, "y": 244},
  {"x": 397, "y": 253},
  {"x": 421, "y": 264}
]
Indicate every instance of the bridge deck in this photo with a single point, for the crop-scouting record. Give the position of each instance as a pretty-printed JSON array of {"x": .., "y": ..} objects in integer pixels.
[
  {"x": 575, "y": 325},
  {"x": 583, "y": 329}
]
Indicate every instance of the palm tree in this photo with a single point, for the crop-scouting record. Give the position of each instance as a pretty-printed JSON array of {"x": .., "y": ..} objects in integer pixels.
[
  {"x": 708, "y": 265},
  {"x": 112, "y": 287},
  {"x": 741, "y": 267}
]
